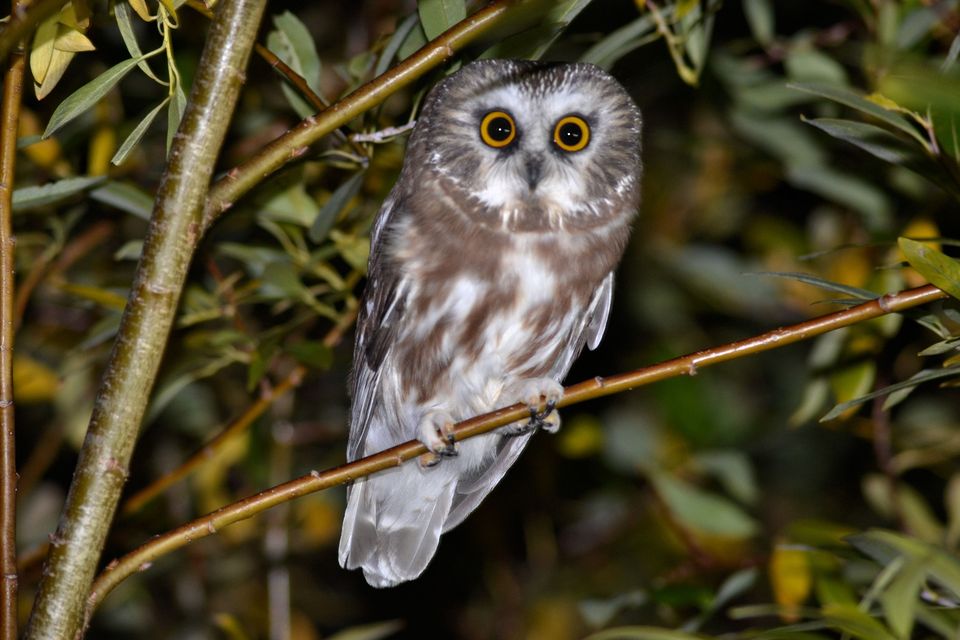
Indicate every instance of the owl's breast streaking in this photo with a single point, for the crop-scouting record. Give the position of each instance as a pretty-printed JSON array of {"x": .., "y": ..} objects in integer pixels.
[{"x": 485, "y": 304}]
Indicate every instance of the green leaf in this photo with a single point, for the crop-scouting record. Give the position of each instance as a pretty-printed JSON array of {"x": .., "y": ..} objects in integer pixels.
[
  {"x": 437, "y": 16},
  {"x": 853, "y": 292},
  {"x": 396, "y": 40},
  {"x": 916, "y": 25},
  {"x": 899, "y": 599},
  {"x": 280, "y": 280},
  {"x": 545, "y": 21},
  {"x": 938, "y": 268},
  {"x": 804, "y": 63},
  {"x": 293, "y": 205},
  {"x": 126, "y": 197},
  {"x": 952, "y": 55},
  {"x": 872, "y": 139},
  {"x": 292, "y": 43},
  {"x": 26, "y": 198},
  {"x": 851, "y": 620},
  {"x": 759, "y": 15},
  {"x": 702, "y": 511},
  {"x": 621, "y": 42},
  {"x": 856, "y": 101},
  {"x": 332, "y": 208},
  {"x": 733, "y": 470},
  {"x": 643, "y": 633},
  {"x": 137, "y": 134},
  {"x": 923, "y": 376},
  {"x": 122, "y": 12},
  {"x": 414, "y": 41},
  {"x": 89, "y": 94},
  {"x": 885, "y": 546}
]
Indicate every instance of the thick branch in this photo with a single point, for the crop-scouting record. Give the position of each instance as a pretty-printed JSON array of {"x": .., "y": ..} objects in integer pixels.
[
  {"x": 131, "y": 371},
  {"x": 141, "y": 558},
  {"x": 9, "y": 118}
]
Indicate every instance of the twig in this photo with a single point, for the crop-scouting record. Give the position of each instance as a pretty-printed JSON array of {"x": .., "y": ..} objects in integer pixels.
[
  {"x": 9, "y": 119},
  {"x": 140, "y": 559},
  {"x": 135, "y": 502},
  {"x": 295, "y": 142},
  {"x": 122, "y": 398}
]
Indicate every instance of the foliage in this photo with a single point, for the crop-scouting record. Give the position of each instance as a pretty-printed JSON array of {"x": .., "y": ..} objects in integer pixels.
[{"x": 810, "y": 493}]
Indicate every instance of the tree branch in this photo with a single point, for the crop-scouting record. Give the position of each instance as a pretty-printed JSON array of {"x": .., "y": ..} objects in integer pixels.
[
  {"x": 140, "y": 559},
  {"x": 171, "y": 238},
  {"x": 9, "y": 119}
]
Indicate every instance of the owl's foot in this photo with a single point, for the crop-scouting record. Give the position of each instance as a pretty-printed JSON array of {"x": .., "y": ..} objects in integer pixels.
[
  {"x": 436, "y": 433},
  {"x": 529, "y": 391}
]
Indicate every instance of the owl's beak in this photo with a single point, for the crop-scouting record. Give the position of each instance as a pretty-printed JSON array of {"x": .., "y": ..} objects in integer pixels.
[{"x": 533, "y": 171}]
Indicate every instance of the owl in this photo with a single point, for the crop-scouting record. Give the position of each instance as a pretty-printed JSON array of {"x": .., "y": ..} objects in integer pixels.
[{"x": 491, "y": 266}]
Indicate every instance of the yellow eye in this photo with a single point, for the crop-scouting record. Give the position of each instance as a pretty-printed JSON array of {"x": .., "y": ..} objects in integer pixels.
[
  {"x": 497, "y": 129},
  {"x": 572, "y": 133}
]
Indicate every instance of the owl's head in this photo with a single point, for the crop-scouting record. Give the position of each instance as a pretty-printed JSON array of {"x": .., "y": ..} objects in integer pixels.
[{"x": 531, "y": 146}]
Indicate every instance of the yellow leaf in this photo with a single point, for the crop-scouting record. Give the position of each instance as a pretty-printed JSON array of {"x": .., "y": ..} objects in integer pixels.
[
  {"x": 103, "y": 297},
  {"x": 883, "y": 101},
  {"x": 790, "y": 578},
  {"x": 46, "y": 153},
  {"x": 59, "y": 62},
  {"x": 33, "y": 381},
  {"x": 103, "y": 145},
  {"x": 42, "y": 50},
  {"x": 76, "y": 15},
  {"x": 140, "y": 6},
  {"x": 70, "y": 39}
]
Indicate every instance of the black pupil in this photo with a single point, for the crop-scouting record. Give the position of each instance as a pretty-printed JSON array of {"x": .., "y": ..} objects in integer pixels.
[
  {"x": 499, "y": 129},
  {"x": 570, "y": 134}
]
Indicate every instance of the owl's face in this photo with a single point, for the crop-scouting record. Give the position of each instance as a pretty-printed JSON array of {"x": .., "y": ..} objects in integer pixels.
[{"x": 533, "y": 146}]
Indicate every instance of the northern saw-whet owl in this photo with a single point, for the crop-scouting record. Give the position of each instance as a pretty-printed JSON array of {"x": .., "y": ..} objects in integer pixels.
[{"x": 491, "y": 266}]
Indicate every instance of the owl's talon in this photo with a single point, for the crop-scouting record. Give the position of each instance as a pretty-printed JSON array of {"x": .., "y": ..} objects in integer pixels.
[{"x": 436, "y": 433}]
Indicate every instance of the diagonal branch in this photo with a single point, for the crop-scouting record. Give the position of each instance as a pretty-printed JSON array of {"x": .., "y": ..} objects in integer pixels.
[
  {"x": 140, "y": 559},
  {"x": 131, "y": 371}
]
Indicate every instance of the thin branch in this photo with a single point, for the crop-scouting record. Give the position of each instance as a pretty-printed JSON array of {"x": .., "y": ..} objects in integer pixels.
[
  {"x": 9, "y": 119},
  {"x": 121, "y": 402},
  {"x": 295, "y": 142},
  {"x": 140, "y": 559}
]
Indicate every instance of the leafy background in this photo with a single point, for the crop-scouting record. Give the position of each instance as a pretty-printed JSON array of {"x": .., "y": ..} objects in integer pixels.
[{"x": 787, "y": 147}]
